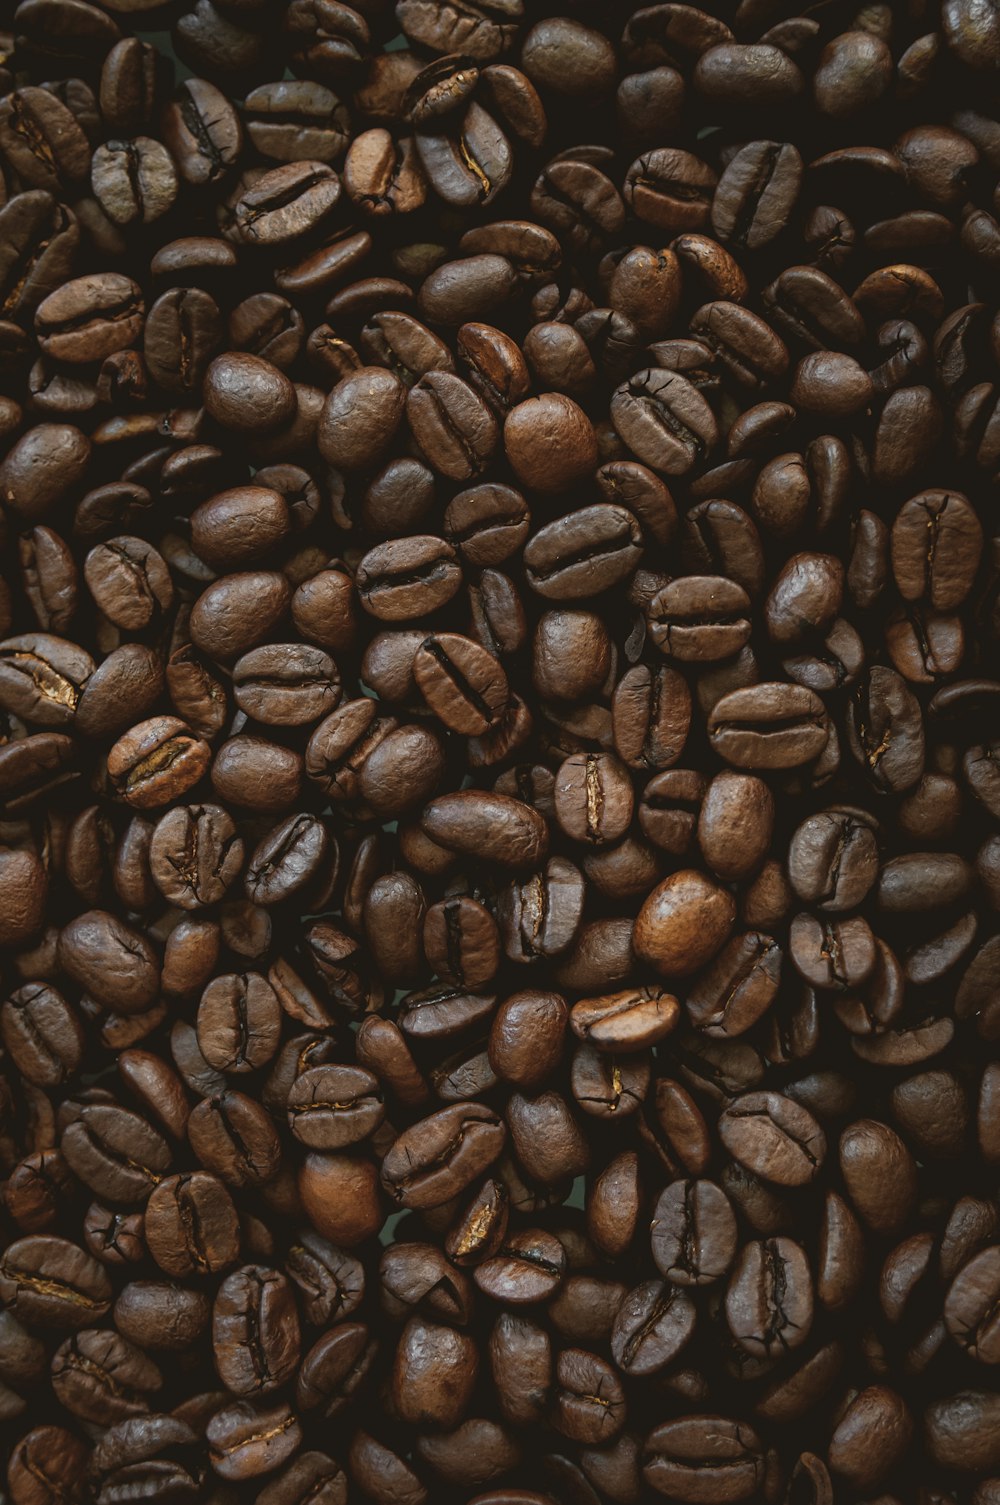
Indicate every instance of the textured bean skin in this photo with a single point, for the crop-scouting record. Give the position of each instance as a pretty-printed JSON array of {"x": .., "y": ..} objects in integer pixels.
[{"x": 499, "y": 752}]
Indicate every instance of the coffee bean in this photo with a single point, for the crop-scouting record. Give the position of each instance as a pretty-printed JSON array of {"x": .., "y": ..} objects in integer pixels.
[
  {"x": 875, "y": 1406},
  {"x": 401, "y": 580},
  {"x": 773, "y": 1137},
  {"x": 330, "y": 1107},
  {"x": 245, "y": 1439},
  {"x": 440, "y": 1155},
  {"x": 463, "y": 685},
  {"x": 664, "y": 420},
  {"x": 526, "y": 1268},
  {"x": 452, "y": 425},
  {"x": 756, "y": 194},
  {"x": 191, "y": 1225},
  {"x": 769, "y": 1303},
  {"x": 49, "y": 1282},
  {"x": 593, "y": 550},
  {"x": 156, "y": 761},
  {"x": 550, "y": 442},
  {"x": 683, "y": 923},
  {"x": 340, "y": 1197},
  {"x": 101, "y": 1378},
  {"x": 693, "y": 1233},
  {"x": 255, "y": 1330},
  {"x": 768, "y": 726},
  {"x": 652, "y": 1325},
  {"x": 879, "y": 1173},
  {"x": 710, "y": 1455}
]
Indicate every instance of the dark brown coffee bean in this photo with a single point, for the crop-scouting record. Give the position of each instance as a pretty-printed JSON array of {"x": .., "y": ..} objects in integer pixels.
[
  {"x": 156, "y": 762},
  {"x": 246, "y": 1439},
  {"x": 508, "y": 831},
  {"x": 49, "y": 1282},
  {"x": 195, "y": 855},
  {"x": 463, "y": 685},
  {"x": 774, "y": 1137},
  {"x": 768, "y": 726},
  {"x": 593, "y": 550},
  {"x": 526, "y": 1268},
  {"x": 879, "y": 1174},
  {"x": 683, "y": 923},
  {"x": 331, "y": 1107},
  {"x": 42, "y": 467},
  {"x": 664, "y": 420},
  {"x": 191, "y": 1225},
  {"x": 439, "y": 1156},
  {"x": 693, "y": 1233},
  {"x": 101, "y": 1378},
  {"x": 41, "y": 140},
  {"x": 769, "y": 1300},
  {"x": 710, "y": 1455},
  {"x": 593, "y": 798},
  {"x": 756, "y": 194},
  {"x": 452, "y": 425},
  {"x": 239, "y": 1022},
  {"x": 652, "y": 1326},
  {"x": 407, "y": 577},
  {"x": 949, "y": 534},
  {"x": 255, "y": 1330},
  {"x": 234, "y": 1139}
]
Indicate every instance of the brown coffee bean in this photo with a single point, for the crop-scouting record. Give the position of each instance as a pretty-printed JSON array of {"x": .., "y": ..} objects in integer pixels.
[
  {"x": 156, "y": 762},
  {"x": 774, "y": 1137},
  {"x": 683, "y": 923}
]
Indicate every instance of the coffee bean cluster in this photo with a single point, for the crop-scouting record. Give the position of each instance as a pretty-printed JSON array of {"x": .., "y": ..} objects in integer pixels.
[{"x": 500, "y": 752}]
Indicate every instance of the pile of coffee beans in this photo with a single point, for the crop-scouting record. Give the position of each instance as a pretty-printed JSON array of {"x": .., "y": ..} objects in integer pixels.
[{"x": 500, "y": 752}]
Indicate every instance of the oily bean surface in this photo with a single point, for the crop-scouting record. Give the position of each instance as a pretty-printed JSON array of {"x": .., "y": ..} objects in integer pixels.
[{"x": 499, "y": 753}]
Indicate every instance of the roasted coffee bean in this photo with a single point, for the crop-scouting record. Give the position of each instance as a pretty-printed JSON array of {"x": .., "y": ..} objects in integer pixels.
[
  {"x": 652, "y": 1325},
  {"x": 42, "y": 1033},
  {"x": 708, "y": 1455},
  {"x": 463, "y": 685},
  {"x": 592, "y": 551},
  {"x": 683, "y": 923},
  {"x": 550, "y": 442},
  {"x": 699, "y": 618},
  {"x": 156, "y": 761},
  {"x": 768, "y": 726},
  {"x": 526, "y": 1268},
  {"x": 756, "y": 193},
  {"x": 234, "y": 1139},
  {"x": 115, "y": 963},
  {"x": 651, "y": 716},
  {"x": 117, "y": 1154},
  {"x": 593, "y": 798},
  {"x": 693, "y": 1233},
  {"x": 49, "y": 1282},
  {"x": 42, "y": 467},
  {"x": 245, "y": 1439},
  {"x": 664, "y": 420},
  {"x": 330, "y": 1107},
  {"x": 774, "y": 1137},
  {"x": 239, "y": 1022},
  {"x": 439, "y": 1156},
  {"x": 191, "y": 1225},
  {"x": 255, "y": 1330},
  {"x": 769, "y": 1300},
  {"x": 589, "y": 1401},
  {"x": 101, "y": 1378},
  {"x": 407, "y": 577}
]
